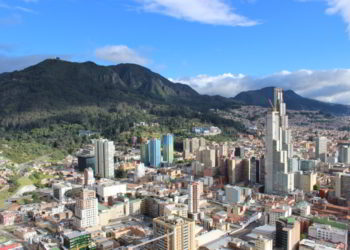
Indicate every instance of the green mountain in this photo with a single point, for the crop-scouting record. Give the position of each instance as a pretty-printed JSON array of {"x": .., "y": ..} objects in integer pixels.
[
  {"x": 56, "y": 84},
  {"x": 293, "y": 101},
  {"x": 104, "y": 98}
]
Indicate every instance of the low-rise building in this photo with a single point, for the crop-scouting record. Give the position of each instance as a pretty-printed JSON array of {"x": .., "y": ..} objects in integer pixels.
[
  {"x": 7, "y": 218},
  {"x": 328, "y": 233},
  {"x": 108, "y": 189}
]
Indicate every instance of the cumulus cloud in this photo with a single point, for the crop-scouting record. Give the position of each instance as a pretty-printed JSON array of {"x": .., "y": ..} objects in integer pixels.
[
  {"x": 11, "y": 63},
  {"x": 216, "y": 12},
  {"x": 341, "y": 7},
  {"x": 323, "y": 85},
  {"x": 120, "y": 54}
]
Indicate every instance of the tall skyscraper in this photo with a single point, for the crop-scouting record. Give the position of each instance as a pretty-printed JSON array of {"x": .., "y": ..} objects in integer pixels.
[
  {"x": 168, "y": 148},
  {"x": 181, "y": 233},
  {"x": 193, "y": 197},
  {"x": 154, "y": 152},
  {"x": 144, "y": 154},
  {"x": 86, "y": 210},
  {"x": 279, "y": 148},
  {"x": 104, "y": 152},
  {"x": 321, "y": 148}
]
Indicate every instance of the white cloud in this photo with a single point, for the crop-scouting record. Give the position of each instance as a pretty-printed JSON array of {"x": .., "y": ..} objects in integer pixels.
[
  {"x": 120, "y": 54},
  {"x": 323, "y": 85},
  {"x": 216, "y": 12},
  {"x": 341, "y": 7},
  {"x": 20, "y": 8}
]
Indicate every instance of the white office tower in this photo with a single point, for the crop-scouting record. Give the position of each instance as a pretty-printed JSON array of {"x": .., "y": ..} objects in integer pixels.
[
  {"x": 104, "y": 152},
  {"x": 139, "y": 172},
  {"x": 279, "y": 148},
  {"x": 86, "y": 210},
  {"x": 193, "y": 197},
  {"x": 321, "y": 148},
  {"x": 89, "y": 179}
]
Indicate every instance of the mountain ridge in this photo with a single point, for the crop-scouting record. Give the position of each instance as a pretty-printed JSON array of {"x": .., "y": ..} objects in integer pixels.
[
  {"x": 52, "y": 87},
  {"x": 293, "y": 101}
]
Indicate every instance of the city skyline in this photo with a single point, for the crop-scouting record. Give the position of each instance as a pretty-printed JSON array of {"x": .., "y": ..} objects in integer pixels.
[{"x": 226, "y": 51}]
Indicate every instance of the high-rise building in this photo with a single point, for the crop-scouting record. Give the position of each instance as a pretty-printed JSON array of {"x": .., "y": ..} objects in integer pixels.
[
  {"x": 231, "y": 169},
  {"x": 240, "y": 152},
  {"x": 307, "y": 165},
  {"x": 321, "y": 148},
  {"x": 168, "y": 148},
  {"x": 262, "y": 170},
  {"x": 180, "y": 230},
  {"x": 86, "y": 210},
  {"x": 287, "y": 233},
  {"x": 342, "y": 186},
  {"x": 193, "y": 197},
  {"x": 144, "y": 154},
  {"x": 305, "y": 181},
  {"x": 223, "y": 150},
  {"x": 294, "y": 164},
  {"x": 187, "y": 145},
  {"x": 208, "y": 157},
  {"x": 104, "y": 153},
  {"x": 254, "y": 170},
  {"x": 202, "y": 142},
  {"x": 154, "y": 152},
  {"x": 194, "y": 145},
  {"x": 279, "y": 148},
  {"x": 86, "y": 161},
  {"x": 344, "y": 154},
  {"x": 89, "y": 179}
]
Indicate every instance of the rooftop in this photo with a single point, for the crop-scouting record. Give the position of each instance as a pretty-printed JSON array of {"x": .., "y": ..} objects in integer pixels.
[
  {"x": 327, "y": 221},
  {"x": 74, "y": 234}
]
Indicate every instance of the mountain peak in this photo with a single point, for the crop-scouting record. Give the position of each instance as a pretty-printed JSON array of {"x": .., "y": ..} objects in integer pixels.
[
  {"x": 293, "y": 101},
  {"x": 55, "y": 84}
]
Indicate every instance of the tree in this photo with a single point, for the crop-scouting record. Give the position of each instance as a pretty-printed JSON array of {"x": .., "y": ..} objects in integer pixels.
[
  {"x": 303, "y": 236},
  {"x": 120, "y": 174}
]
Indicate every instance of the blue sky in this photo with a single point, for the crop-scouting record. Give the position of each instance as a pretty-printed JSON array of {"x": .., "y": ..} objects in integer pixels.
[{"x": 210, "y": 44}]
